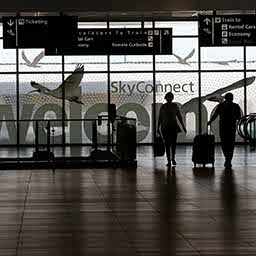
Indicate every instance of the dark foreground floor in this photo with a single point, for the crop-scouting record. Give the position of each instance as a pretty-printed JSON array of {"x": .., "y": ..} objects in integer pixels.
[{"x": 148, "y": 211}]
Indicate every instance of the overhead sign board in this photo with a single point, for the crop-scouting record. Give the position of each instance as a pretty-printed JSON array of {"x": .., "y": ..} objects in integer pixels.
[
  {"x": 135, "y": 41},
  {"x": 39, "y": 32},
  {"x": 227, "y": 30}
]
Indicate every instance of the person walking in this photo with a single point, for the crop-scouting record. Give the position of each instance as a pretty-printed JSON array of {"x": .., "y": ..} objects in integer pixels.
[
  {"x": 229, "y": 113},
  {"x": 167, "y": 124}
]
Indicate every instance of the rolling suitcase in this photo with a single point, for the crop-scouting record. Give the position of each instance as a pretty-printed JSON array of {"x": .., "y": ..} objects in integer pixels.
[
  {"x": 126, "y": 141},
  {"x": 204, "y": 149}
]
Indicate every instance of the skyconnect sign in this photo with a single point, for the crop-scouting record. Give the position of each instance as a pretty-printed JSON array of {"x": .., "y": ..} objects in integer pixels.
[{"x": 143, "y": 87}]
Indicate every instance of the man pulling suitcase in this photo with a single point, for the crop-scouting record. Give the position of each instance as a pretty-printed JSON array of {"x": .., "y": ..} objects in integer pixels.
[{"x": 229, "y": 113}]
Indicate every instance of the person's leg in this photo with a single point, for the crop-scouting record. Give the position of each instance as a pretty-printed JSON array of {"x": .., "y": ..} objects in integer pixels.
[
  {"x": 168, "y": 153},
  {"x": 227, "y": 162},
  {"x": 167, "y": 143},
  {"x": 173, "y": 147},
  {"x": 224, "y": 144},
  {"x": 230, "y": 145}
]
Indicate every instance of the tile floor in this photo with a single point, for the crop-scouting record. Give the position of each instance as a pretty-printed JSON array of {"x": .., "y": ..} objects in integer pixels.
[{"x": 145, "y": 211}]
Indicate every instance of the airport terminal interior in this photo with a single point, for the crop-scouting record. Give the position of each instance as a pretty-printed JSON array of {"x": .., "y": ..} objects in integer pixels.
[{"x": 78, "y": 124}]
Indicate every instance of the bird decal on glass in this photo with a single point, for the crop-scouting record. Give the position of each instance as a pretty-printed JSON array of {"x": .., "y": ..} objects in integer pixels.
[
  {"x": 217, "y": 96},
  {"x": 70, "y": 86},
  {"x": 34, "y": 63},
  {"x": 183, "y": 61}
]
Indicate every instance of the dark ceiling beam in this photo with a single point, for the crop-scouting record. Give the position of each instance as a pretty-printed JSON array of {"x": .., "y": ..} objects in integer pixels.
[{"x": 122, "y": 6}]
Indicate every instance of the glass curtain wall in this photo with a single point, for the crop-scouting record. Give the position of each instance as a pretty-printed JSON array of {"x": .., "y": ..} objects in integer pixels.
[{"x": 132, "y": 82}]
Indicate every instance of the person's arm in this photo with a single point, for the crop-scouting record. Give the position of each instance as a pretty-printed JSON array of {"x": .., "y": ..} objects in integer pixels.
[
  {"x": 180, "y": 119},
  {"x": 215, "y": 115}
]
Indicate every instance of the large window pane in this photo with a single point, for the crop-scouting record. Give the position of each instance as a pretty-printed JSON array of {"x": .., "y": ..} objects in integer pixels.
[
  {"x": 131, "y": 63},
  {"x": 125, "y": 24},
  {"x": 179, "y": 28},
  {"x": 186, "y": 51},
  {"x": 133, "y": 96},
  {"x": 91, "y": 63},
  {"x": 33, "y": 60},
  {"x": 8, "y": 59},
  {"x": 148, "y": 24},
  {"x": 222, "y": 58},
  {"x": 93, "y": 90},
  {"x": 39, "y": 105},
  {"x": 251, "y": 94},
  {"x": 1, "y": 29},
  {"x": 211, "y": 84},
  {"x": 184, "y": 86},
  {"x": 250, "y": 57},
  {"x": 92, "y": 25},
  {"x": 8, "y": 104}
]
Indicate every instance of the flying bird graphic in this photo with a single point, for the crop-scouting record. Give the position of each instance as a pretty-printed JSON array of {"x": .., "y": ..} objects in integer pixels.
[
  {"x": 193, "y": 104},
  {"x": 184, "y": 60},
  {"x": 70, "y": 85},
  {"x": 216, "y": 96},
  {"x": 34, "y": 63}
]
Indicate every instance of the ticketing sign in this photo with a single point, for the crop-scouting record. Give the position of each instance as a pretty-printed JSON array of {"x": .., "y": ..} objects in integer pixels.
[{"x": 39, "y": 32}]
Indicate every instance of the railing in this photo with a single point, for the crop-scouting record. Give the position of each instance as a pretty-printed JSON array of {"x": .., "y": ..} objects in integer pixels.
[
  {"x": 97, "y": 134},
  {"x": 246, "y": 127}
]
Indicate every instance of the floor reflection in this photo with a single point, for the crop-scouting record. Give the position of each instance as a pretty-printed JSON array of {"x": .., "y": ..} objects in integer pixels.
[{"x": 151, "y": 210}]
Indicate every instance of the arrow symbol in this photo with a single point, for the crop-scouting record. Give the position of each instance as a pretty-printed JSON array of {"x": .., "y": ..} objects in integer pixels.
[
  {"x": 207, "y": 30},
  {"x": 207, "y": 20},
  {"x": 10, "y": 23},
  {"x": 10, "y": 32}
]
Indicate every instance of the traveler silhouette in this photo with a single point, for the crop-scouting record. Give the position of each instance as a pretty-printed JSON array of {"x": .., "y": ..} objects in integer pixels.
[
  {"x": 229, "y": 113},
  {"x": 169, "y": 112}
]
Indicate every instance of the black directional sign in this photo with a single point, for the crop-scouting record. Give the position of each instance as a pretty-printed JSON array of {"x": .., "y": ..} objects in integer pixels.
[
  {"x": 39, "y": 32},
  {"x": 134, "y": 41},
  {"x": 227, "y": 30}
]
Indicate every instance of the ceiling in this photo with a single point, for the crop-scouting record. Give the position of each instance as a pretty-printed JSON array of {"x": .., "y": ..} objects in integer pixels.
[
  {"x": 129, "y": 15},
  {"x": 120, "y": 8}
]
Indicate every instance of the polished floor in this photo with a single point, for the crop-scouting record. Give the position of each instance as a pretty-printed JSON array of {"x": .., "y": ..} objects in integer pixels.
[{"x": 145, "y": 211}]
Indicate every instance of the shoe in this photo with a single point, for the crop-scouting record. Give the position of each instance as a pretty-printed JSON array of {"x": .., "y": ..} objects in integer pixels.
[
  {"x": 228, "y": 164},
  {"x": 168, "y": 164},
  {"x": 174, "y": 162}
]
